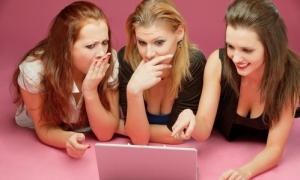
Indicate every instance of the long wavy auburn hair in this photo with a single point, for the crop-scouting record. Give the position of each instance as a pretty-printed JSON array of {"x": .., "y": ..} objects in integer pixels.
[{"x": 55, "y": 53}]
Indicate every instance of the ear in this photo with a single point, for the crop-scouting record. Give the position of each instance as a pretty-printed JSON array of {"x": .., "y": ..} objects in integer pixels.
[{"x": 180, "y": 32}]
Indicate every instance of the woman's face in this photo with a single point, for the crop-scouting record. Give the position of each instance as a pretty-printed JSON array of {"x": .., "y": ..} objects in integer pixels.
[
  {"x": 157, "y": 40},
  {"x": 245, "y": 50},
  {"x": 92, "y": 43}
]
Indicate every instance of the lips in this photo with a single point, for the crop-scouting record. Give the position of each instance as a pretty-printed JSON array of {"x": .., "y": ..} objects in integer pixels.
[{"x": 242, "y": 65}]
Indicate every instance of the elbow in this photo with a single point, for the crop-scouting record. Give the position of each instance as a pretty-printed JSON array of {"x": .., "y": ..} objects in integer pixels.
[
  {"x": 278, "y": 152},
  {"x": 138, "y": 140},
  {"x": 43, "y": 137},
  {"x": 201, "y": 137},
  {"x": 141, "y": 137},
  {"x": 106, "y": 133},
  {"x": 176, "y": 141},
  {"x": 275, "y": 154},
  {"x": 104, "y": 137},
  {"x": 203, "y": 133}
]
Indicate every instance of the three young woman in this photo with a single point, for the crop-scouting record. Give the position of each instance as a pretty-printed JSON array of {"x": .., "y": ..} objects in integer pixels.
[{"x": 69, "y": 81}]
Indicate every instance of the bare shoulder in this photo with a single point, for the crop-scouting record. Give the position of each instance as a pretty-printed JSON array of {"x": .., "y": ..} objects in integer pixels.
[
  {"x": 214, "y": 56},
  {"x": 213, "y": 66}
]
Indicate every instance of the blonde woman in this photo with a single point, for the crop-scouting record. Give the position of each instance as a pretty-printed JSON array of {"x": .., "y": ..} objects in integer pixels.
[{"x": 160, "y": 73}]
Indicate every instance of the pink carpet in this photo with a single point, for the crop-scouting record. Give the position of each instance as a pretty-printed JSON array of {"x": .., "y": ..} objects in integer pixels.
[{"x": 23, "y": 156}]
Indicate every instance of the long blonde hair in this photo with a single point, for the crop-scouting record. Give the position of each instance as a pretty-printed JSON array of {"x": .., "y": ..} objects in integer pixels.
[{"x": 151, "y": 12}]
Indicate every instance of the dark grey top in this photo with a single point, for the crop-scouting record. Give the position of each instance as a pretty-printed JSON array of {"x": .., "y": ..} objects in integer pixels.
[{"x": 187, "y": 98}]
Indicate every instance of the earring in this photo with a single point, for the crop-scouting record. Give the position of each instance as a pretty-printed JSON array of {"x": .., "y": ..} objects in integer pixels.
[{"x": 179, "y": 43}]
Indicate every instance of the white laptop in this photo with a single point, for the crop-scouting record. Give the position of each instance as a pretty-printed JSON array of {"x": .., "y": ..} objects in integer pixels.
[{"x": 135, "y": 162}]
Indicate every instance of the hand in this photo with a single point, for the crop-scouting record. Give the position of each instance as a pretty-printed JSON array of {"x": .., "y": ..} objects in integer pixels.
[
  {"x": 184, "y": 125},
  {"x": 148, "y": 74},
  {"x": 95, "y": 74},
  {"x": 234, "y": 174},
  {"x": 74, "y": 145}
]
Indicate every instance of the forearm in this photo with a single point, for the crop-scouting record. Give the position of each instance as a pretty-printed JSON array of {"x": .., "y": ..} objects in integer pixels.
[
  {"x": 274, "y": 149},
  {"x": 161, "y": 134},
  {"x": 201, "y": 130},
  {"x": 137, "y": 125},
  {"x": 263, "y": 161},
  {"x": 53, "y": 135},
  {"x": 103, "y": 122}
]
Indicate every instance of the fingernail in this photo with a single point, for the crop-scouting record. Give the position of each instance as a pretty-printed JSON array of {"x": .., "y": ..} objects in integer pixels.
[{"x": 171, "y": 55}]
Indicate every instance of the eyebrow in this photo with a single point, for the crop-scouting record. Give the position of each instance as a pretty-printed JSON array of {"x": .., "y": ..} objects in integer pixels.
[
  {"x": 95, "y": 41},
  {"x": 155, "y": 39}
]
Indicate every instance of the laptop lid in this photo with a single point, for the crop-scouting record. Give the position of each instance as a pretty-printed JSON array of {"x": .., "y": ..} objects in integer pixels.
[{"x": 135, "y": 162}]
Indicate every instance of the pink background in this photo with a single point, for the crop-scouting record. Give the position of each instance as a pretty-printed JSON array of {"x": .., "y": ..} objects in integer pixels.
[{"x": 24, "y": 22}]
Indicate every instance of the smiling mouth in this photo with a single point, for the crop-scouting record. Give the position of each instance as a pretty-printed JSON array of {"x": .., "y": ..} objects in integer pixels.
[{"x": 242, "y": 66}]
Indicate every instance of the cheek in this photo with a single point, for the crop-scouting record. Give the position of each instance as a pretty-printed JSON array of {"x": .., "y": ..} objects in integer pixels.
[
  {"x": 171, "y": 47},
  {"x": 165, "y": 49},
  {"x": 167, "y": 61},
  {"x": 105, "y": 50},
  {"x": 142, "y": 50},
  {"x": 230, "y": 53},
  {"x": 82, "y": 61}
]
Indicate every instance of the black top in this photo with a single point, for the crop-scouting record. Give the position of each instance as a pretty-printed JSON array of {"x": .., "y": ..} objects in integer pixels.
[
  {"x": 230, "y": 124},
  {"x": 188, "y": 97}
]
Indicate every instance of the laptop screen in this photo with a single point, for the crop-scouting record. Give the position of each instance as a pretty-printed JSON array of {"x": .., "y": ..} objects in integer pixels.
[{"x": 120, "y": 161}]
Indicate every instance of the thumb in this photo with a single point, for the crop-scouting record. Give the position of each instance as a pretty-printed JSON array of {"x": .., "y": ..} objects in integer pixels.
[{"x": 80, "y": 139}]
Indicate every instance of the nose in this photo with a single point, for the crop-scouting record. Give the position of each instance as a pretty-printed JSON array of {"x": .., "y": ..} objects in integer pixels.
[
  {"x": 150, "y": 53},
  {"x": 100, "y": 52},
  {"x": 236, "y": 56}
]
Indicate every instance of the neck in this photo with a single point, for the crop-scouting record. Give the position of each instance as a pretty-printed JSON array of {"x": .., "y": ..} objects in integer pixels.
[{"x": 78, "y": 79}]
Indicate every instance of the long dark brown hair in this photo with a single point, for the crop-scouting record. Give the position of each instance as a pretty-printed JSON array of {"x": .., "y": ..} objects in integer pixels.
[
  {"x": 280, "y": 86},
  {"x": 55, "y": 53}
]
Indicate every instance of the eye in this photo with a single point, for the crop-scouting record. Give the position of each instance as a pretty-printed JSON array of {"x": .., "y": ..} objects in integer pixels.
[
  {"x": 142, "y": 43},
  {"x": 91, "y": 46},
  {"x": 247, "y": 50},
  {"x": 159, "y": 42},
  {"x": 105, "y": 42},
  {"x": 229, "y": 46}
]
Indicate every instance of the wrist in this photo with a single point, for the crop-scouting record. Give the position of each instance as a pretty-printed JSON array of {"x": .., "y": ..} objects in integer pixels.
[
  {"x": 133, "y": 89},
  {"x": 188, "y": 110},
  {"x": 246, "y": 172},
  {"x": 90, "y": 95}
]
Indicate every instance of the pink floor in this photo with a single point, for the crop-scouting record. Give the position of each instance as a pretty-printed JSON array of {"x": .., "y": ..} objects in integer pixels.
[{"x": 23, "y": 156}]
